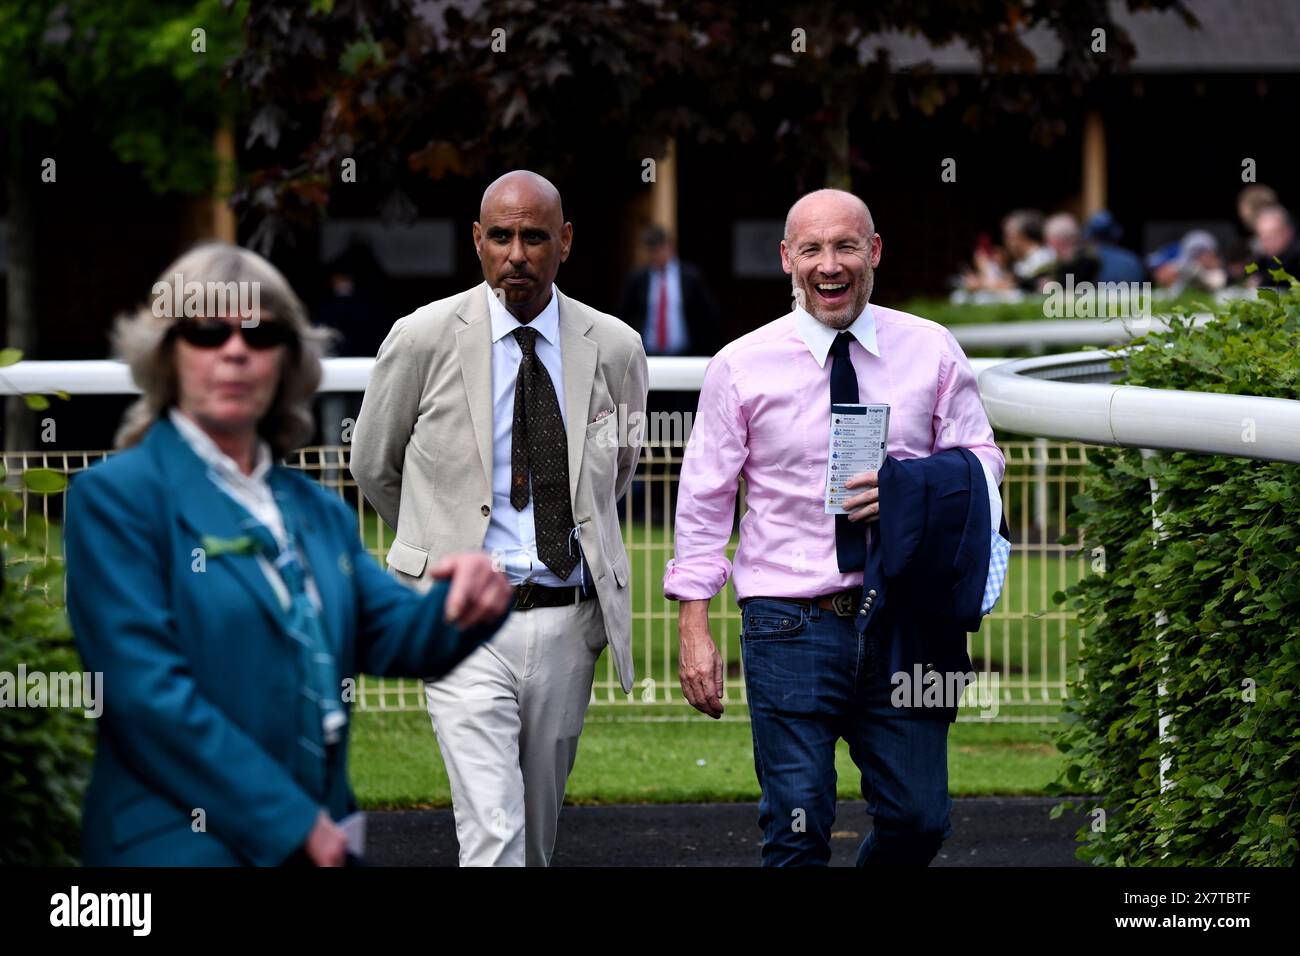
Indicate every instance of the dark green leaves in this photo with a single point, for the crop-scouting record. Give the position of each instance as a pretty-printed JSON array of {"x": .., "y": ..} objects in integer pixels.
[{"x": 1199, "y": 622}]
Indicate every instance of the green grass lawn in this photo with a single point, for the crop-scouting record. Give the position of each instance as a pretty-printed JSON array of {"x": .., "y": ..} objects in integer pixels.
[
  {"x": 395, "y": 761},
  {"x": 667, "y": 754}
]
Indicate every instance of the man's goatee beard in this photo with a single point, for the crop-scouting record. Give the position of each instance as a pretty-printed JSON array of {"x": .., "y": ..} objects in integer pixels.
[
  {"x": 839, "y": 322},
  {"x": 804, "y": 300}
]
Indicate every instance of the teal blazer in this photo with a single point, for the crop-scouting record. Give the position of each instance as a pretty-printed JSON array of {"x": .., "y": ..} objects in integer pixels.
[{"x": 195, "y": 739}]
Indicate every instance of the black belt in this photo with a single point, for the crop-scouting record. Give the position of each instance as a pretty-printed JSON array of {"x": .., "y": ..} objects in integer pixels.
[
  {"x": 529, "y": 596},
  {"x": 844, "y": 603}
]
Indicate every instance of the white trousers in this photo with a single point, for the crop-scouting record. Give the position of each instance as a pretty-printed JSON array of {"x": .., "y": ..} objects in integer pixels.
[{"x": 508, "y": 720}]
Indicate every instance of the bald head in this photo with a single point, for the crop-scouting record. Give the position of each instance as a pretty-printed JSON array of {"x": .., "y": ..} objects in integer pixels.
[
  {"x": 521, "y": 238},
  {"x": 831, "y": 250},
  {"x": 827, "y": 202},
  {"x": 522, "y": 187}
]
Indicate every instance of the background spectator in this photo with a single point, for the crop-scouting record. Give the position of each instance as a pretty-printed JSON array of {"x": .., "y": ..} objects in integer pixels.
[
  {"x": 352, "y": 304},
  {"x": 1192, "y": 263},
  {"x": 1250, "y": 201},
  {"x": 1031, "y": 259},
  {"x": 354, "y": 308},
  {"x": 669, "y": 304},
  {"x": 1275, "y": 237},
  {"x": 1114, "y": 262},
  {"x": 1072, "y": 257}
]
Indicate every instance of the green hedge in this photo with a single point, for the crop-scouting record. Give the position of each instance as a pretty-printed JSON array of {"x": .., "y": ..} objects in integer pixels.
[
  {"x": 950, "y": 314},
  {"x": 1029, "y": 310},
  {"x": 1210, "y": 606},
  {"x": 45, "y": 751}
]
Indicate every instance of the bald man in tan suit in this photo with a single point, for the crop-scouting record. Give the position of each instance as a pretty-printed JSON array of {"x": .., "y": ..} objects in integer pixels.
[{"x": 498, "y": 419}]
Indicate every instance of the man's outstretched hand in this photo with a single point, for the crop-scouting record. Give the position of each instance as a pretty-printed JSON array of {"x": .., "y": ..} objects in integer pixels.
[{"x": 327, "y": 844}]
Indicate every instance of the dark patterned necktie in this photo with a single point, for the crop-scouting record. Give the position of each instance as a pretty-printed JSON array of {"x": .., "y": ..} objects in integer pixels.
[
  {"x": 538, "y": 447},
  {"x": 850, "y": 536}
]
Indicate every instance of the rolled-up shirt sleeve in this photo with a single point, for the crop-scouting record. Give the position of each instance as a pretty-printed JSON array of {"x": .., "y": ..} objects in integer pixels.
[
  {"x": 959, "y": 418},
  {"x": 706, "y": 498}
]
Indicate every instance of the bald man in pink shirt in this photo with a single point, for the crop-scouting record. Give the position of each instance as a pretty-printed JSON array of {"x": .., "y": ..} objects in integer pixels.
[{"x": 764, "y": 414}]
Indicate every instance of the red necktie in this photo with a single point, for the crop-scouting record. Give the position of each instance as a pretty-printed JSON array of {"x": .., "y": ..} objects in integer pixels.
[{"x": 661, "y": 316}]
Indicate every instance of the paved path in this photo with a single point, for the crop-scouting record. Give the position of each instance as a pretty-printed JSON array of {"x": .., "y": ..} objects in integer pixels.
[{"x": 987, "y": 831}]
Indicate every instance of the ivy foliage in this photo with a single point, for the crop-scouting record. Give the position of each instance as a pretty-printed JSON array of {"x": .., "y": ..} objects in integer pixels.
[
  {"x": 45, "y": 750},
  {"x": 1192, "y": 614}
]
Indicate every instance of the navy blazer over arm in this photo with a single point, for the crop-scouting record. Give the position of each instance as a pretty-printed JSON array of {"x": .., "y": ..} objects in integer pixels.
[{"x": 928, "y": 563}]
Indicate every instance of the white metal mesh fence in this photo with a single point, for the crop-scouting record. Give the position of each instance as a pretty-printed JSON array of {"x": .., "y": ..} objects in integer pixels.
[{"x": 1023, "y": 652}]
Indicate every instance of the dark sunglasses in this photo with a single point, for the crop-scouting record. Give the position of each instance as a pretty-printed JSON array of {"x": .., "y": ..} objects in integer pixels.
[{"x": 213, "y": 333}]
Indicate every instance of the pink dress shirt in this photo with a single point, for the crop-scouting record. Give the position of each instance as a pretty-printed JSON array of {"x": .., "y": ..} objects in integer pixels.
[{"x": 764, "y": 414}]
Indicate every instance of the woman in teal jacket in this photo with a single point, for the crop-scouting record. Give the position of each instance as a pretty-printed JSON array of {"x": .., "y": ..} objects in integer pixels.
[{"x": 228, "y": 600}]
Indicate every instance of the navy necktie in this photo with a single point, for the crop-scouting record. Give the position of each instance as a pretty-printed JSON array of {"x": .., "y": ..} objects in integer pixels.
[{"x": 850, "y": 536}]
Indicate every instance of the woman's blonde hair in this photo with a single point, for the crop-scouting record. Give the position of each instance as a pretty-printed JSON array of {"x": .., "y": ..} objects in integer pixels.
[{"x": 141, "y": 339}]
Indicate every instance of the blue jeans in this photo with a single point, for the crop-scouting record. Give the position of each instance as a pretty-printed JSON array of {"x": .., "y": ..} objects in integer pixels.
[{"x": 811, "y": 679}]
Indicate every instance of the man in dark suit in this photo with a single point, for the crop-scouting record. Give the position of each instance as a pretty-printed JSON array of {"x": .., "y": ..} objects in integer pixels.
[{"x": 669, "y": 304}]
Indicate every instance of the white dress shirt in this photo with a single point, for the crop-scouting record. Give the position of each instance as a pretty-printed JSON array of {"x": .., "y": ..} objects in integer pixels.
[
  {"x": 252, "y": 491},
  {"x": 511, "y": 536}
]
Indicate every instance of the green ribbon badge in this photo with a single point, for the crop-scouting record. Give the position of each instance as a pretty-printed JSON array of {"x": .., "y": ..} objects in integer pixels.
[{"x": 214, "y": 546}]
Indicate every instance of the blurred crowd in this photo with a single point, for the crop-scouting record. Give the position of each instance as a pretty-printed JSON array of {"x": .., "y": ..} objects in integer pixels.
[{"x": 1037, "y": 250}]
